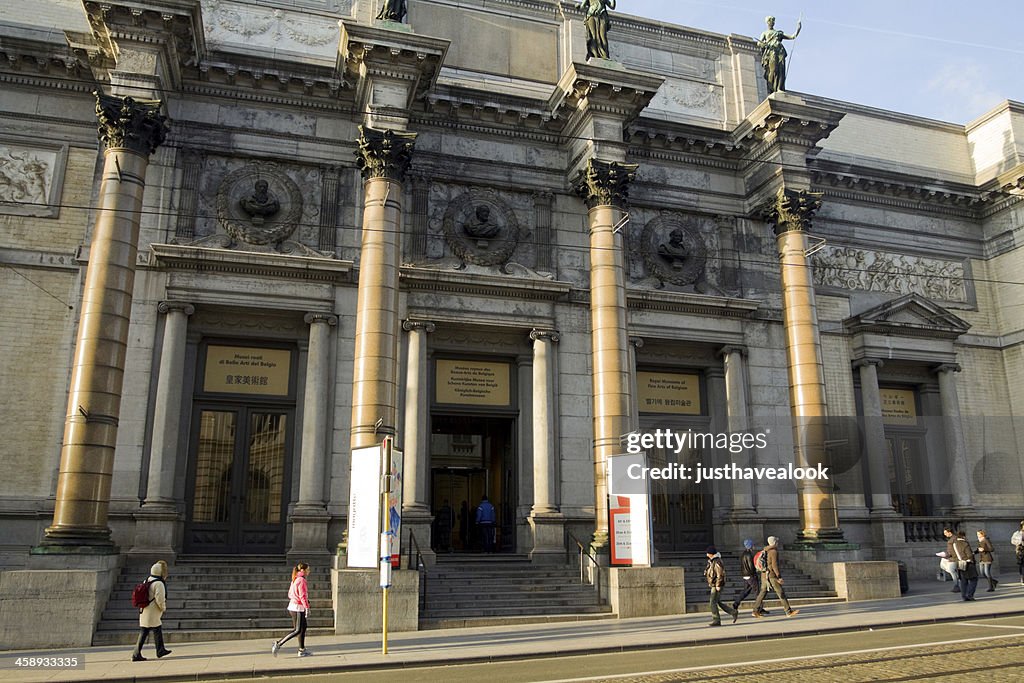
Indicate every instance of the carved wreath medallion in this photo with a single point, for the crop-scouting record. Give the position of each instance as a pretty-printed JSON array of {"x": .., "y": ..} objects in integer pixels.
[
  {"x": 673, "y": 251},
  {"x": 481, "y": 229},
  {"x": 258, "y": 204}
]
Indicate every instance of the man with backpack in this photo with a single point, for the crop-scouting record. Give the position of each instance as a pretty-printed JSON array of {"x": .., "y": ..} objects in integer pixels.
[
  {"x": 150, "y": 597},
  {"x": 751, "y": 584},
  {"x": 714, "y": 573},
  {"x": 767, "y": 564}
]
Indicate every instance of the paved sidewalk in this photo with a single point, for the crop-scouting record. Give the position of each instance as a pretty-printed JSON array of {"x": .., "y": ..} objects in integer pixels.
[{"x": 252, "y": 658}]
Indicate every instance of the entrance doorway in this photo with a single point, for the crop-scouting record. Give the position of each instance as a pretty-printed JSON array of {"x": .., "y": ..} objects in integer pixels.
[
  {"x": 680, "y": 512},
  {"x": 907, "y": 472},
  {"x": 472, "y": 457},
  {"x": 238, "y": 479}
]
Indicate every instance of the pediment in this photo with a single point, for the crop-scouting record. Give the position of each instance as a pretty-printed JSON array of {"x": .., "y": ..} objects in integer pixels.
[{"x": 910, "y": 316}]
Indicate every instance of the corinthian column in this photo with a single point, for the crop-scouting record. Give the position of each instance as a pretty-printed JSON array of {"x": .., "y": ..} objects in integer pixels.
[
  {"x": 791, "y": 212},
  {"x": 604, "y": 187},
  {"x": 383, "y": 158},
  {"x": 131, "y": 130},
  {"x": 956, "y": 446}
]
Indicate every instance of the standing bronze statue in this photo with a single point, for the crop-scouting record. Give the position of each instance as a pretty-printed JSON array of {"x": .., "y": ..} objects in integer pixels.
[
  {"x": 596, "y": 21},
  {"x": 392, "y": 10},
  {"x": 773, "y": 55}
]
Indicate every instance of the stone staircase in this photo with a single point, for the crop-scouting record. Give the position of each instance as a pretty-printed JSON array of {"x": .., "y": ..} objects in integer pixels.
[
  {"x": 800, "y": 588},
  {"x": 218, "y": 598},
  {"x": 489, "y": 590}
]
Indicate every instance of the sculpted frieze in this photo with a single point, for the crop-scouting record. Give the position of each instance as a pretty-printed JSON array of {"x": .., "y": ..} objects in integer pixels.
[
  {"x": 879, "y": 271},
  {"x": 30, "y": 178},
  {"x": 254, "y": 26}
]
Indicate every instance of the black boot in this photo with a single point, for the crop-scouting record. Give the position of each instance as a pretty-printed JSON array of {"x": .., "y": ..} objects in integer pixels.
[
  {"x": 137, "y": 654},
  {"x": 161, "y": 651}
]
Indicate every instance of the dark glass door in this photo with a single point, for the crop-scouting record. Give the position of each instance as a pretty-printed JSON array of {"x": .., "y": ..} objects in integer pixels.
[
  {"x": 238, "y": 480},
  {"x": 906, "y": 476}
]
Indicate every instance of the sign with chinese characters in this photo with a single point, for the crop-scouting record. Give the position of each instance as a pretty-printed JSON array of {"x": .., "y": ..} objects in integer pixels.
[
  {"x": 898, "y": 407},
  {"x": 468, "y": 382},
  {"x": 246, "y": 370},
  {"x": 673, "y": 393}
]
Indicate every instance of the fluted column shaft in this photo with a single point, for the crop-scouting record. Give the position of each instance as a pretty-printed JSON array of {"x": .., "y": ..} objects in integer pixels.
[
  {"x": 167, "y": 406},
  {"x": 737, "y": 411},
  {"x": 956, "y": 445},
  {"x": 417, "y": 431},
  {"x": 131, "y": 131},
  {"x": 604, "y": 186},
  {"x": 315, "y": 410},
  {"x": 791, "y": 212},
  {"x": 383, "y": 158},
  {"x": 544, "y": 483},
  {"x": 875, "y": 446}
]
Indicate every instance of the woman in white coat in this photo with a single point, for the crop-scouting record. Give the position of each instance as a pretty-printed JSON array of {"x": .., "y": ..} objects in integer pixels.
[{"x": 150, "y": 616}]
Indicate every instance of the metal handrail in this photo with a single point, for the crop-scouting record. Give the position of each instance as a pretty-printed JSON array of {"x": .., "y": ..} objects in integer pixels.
[
  {"x": 420, "y": 566},
  {"x": 584, "y": 552}
]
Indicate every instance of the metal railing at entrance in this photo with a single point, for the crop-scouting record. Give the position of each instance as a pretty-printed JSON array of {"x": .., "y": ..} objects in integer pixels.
[
  {"x": 420, "y": 567},
  {"x": 584, "y": 555}
]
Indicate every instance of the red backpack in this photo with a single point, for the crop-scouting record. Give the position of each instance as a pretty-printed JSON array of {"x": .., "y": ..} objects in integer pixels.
[
  {"x": 140, "y": 595},
  {"x": 761, "y": 561}
]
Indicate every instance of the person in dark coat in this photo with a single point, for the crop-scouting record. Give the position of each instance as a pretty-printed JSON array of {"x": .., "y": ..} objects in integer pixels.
[
  {"x": 772, "y": 578},
  {"x": 714, "y": 573},
  {"x": 751, "y": 581},
  {"x": 966, "y": 566},
  {"x": 984, "y": 551}
]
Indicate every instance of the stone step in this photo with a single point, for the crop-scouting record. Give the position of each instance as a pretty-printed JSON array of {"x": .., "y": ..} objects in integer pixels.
[
  {"x": 528, "y": 610},
  {"x": 174, "y": 624},
  {"x": 774, "y": 606},
  {"x": 481, "y": 622},
  {"x": 476, "y": 606},
  {"x": 226, "y": 587},
  {"x": 504, "y": 589},
  {"x": 171, "y": 637},
  {"x": 198, "y": 608}
]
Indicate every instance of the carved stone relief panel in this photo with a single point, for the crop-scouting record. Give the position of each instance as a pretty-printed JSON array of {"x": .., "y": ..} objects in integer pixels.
[
  {"x": 258, "y": 206},
  {"x": 672, "y": 250},
  {"x": 481, "y": 229},
  {"x": 31, "y": 178},
  {"x": 880, "y": 271},
  {"x": 237, "y": 23}
]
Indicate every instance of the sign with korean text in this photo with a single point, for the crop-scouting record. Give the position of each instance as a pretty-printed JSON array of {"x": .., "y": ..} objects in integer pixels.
[
  {"x": 247, "y": 370},
  {"x": 898, "y": 407},
  {"x": 470, "y": 382},
  {"x": 670, "y": 393}
]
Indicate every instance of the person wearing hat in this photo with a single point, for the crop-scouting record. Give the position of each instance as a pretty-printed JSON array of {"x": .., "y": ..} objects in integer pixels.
[
  {"x": 150, "y": 616},
  {"x": 715, "y": 575},
  {"x": 751, "y": 584},
  {"x": 772, "y": 578}
]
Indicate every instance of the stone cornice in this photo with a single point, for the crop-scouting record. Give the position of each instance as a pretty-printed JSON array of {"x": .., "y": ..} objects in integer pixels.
[
  {"x": 911, "y": 315},
  {"x": 174, "y": 26},
  {"x": 588, "y": 87},
  {"x": 683, "y": 302},
  {"x": 454, "y": 282},
  {"x": 65, "y": 63},
  {"x": 273, "y": 81},
  {"x": 207, "y": 260},
  {"x": 366, "y": 52}
]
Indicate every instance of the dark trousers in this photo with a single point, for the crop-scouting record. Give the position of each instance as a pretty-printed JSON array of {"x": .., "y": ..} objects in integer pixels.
[
  {"x": 158, "y": 640},
  {"x": 750, "y": 585},
  {"x": 487, "y": 536},
  {"x": 768, "y": 582},
  {"x": 968, "y": 586},
  {"x": 715, "y": 603},
  {"x": 298, "y": 629}
]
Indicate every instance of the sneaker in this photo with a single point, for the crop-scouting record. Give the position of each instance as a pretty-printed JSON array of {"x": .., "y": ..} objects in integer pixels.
[
  {"x": 138, "y": 658},
  {"x": 757, "y": 615},
  {"x": 162, "y": 654},
  {"x": 792, "y": 612},
  {"x": 274, "y": 648},
  {"x": 304, "y": 653},
  {"x": 715, "y": 623}
]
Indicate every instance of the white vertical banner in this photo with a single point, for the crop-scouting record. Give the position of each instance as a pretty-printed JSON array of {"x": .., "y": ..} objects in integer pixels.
[
  {"x": 629, "y": 510},
  {"x": 364, "y": 509}
]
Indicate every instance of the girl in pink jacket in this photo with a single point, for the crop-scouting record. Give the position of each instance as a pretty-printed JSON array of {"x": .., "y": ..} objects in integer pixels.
[{"x": 298, "y": 607}]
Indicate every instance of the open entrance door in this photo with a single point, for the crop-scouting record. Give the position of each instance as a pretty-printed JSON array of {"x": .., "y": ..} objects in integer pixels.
[{"x": 472, "y": 457}]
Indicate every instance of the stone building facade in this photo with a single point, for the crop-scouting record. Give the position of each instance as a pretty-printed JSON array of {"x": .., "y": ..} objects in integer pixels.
[{"x": 459, "y": 231}]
